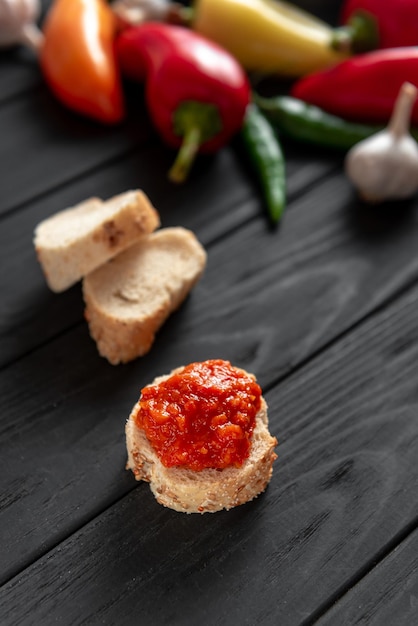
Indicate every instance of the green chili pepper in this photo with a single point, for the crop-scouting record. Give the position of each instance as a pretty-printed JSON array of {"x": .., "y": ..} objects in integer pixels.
[
  {"x": 266, "y": 158},
  {"x": 308, "y": 123}
]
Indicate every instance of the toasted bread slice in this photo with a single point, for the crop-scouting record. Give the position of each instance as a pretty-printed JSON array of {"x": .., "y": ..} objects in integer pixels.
[
  {"x": 129, "y": 298},
  {"x": 74, "y": 242},
  {"x": 208, "y": 490}
]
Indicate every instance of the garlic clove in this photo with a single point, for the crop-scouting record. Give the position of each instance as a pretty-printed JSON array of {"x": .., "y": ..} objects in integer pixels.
[
  {"x": 385, "y": 166},
  {"x": 18, "y": 23}
]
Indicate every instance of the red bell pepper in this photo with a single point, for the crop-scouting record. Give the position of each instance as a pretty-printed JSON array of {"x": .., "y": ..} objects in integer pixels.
[
  {"x": 78, "y": 61},
  {"x": 364, "y": 87},
  {"x": 396, "y": 21},
  {"x": 196, "y": 92}
]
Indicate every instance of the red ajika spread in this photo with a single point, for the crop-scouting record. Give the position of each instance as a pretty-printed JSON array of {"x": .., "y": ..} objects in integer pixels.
[{"x": 201, "y": 417}]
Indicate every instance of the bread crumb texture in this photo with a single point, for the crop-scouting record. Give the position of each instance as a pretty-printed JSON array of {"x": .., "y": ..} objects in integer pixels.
[
  {"x": 77, "y": 240},
  {"x": 208, "y": 490},
  {"x": 130, "y": 297}
]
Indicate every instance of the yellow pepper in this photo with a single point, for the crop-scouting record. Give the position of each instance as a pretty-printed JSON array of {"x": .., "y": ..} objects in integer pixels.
[{"x": 268, "y": 36}]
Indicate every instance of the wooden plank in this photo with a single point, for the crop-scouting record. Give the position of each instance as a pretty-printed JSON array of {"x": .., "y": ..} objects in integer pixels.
[
  {"x": 348, "y": 437},
  {"x": 19, "y": 73},
  {"x": 191, "y": 336},
  {"x": 387, "y": 595},
  {"x": 32, "y": 140},
  {"x": 115, "y": 555},
  {"x": 44, "y": 146},
  {"x": 301, "y": 311},
  {"x": 30, "y": 314}
]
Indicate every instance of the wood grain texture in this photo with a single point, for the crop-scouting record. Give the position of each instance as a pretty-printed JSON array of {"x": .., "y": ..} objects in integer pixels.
[
  {"x": 301, "y": 310},
  {"x": 19, "y": 73},
  {"x": 341, "y": 490},
  {"x": 388, "y": 595},
  {"x": 45, "y": 146}
]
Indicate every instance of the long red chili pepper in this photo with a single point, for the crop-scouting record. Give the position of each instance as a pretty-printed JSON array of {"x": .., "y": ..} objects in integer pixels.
[
  {"x": 396, "y": 21},
  {"x": 78, "y": 61},
  {"x": 364, "y": 87},
  {"x": 196, "y": 92}
]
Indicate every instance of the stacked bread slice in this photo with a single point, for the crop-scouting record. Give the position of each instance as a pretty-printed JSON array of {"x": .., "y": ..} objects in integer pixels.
[
  {"x": 133, "y": 275},
  {"x": 74, "y": 242}
]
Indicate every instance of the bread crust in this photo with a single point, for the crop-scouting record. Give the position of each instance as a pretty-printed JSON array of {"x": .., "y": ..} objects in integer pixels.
[
  {"x": 74, "y": 242},
  {"x": 209, "y": 490},
  {"x": 128, "y": 299}
]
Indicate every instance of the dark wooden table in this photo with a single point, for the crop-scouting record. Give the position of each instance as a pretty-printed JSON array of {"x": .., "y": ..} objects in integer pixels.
[{"x": 323, "y": 311}]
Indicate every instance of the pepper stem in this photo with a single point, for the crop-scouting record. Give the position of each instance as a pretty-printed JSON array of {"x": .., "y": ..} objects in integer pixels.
[
  {"x": 195, "y": 123},
  {"x": 186, "y": 155},
  {"x": 401, "y": 117},
  {"x": 180, "y": 15},
  {"x": 360, "y": 34}
]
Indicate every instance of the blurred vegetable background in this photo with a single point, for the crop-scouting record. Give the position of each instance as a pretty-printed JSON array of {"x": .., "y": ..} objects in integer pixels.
[{"x": 327, "y": 83}]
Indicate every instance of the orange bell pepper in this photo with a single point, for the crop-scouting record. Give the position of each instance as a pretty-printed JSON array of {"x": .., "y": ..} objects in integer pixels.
[{"x": 78, "y": 61}]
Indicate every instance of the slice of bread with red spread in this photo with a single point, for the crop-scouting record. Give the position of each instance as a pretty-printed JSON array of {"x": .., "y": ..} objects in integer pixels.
[
  {"x": 211, "y": 488},
  {"x": 74, "y": 242}
]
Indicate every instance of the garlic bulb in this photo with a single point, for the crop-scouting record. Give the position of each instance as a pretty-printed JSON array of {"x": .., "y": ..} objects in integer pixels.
[
  {"x": 385, "y": 165},
  {"x": 18, "y": 23}
]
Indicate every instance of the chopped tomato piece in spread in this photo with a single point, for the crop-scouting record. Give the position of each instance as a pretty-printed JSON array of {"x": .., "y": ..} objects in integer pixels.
[{"x": 201, "y": 417}]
